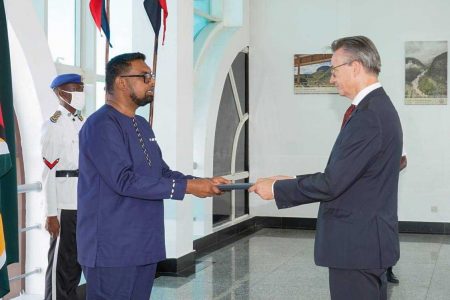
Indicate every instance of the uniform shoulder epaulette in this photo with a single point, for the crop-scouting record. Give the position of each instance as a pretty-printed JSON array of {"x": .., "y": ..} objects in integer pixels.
[{"x": 55, "y": 116}]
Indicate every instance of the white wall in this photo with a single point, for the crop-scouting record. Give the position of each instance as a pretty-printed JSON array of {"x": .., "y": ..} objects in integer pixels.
[
  {"x": 293, "y": 134},
  {"x": 173, "y": 118},
  {"x": 32, "y": 69}
]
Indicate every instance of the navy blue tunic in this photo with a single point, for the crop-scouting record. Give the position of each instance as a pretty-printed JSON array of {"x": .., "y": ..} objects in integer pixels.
[{"x": 120, "y": 197}]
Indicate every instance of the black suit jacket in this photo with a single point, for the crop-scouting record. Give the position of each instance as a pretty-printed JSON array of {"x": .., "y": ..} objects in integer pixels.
[{"x": 357, "y": 223}]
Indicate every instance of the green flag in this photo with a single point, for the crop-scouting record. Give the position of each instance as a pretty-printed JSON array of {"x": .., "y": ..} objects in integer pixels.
[{"x": 9, "y": 242}]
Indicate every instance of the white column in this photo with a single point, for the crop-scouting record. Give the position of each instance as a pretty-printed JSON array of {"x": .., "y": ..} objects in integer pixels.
[
  {"x": 32, "y": 71},
  {"x": 173, "y": 115}
]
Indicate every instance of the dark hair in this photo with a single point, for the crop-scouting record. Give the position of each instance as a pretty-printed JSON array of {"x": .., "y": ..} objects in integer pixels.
[
  {"x": 362, "y": 49},
  {"x": 119, "y": 65}
]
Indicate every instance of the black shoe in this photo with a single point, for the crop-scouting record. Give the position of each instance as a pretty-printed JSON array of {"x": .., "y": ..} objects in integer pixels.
[{"x": 391, "y": 277}]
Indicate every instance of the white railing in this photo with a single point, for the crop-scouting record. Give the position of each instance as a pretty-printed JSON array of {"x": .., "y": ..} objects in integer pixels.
[
  {"x": 21, "y": 189},
  {"x": 29, "y": 187}
]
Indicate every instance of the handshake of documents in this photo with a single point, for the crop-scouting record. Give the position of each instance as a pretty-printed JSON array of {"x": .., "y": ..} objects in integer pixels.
[{"x": 218, "y": 185}]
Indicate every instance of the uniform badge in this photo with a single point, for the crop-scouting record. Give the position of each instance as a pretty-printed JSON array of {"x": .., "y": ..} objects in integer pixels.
[
  {"x": 50, "y": 165},
  {"x": 55, "y": 116}
]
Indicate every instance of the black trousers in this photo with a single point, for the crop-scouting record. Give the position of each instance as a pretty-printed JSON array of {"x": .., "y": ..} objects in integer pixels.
[
  {"x": 63, "y": 271},
  {"x": 368, "y": 284}
]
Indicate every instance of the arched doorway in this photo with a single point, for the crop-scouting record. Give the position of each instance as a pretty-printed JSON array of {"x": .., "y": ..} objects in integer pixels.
[{"x": 231, "y": 143}]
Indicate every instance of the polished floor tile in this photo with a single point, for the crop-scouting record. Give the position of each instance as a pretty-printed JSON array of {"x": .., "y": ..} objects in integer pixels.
[{"x": 279, "y": 264}]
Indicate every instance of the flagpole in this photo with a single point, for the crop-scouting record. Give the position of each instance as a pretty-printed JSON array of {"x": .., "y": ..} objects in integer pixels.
[
  {"x": 107, "y": 41},
  {"x": 155, "y": 63}
]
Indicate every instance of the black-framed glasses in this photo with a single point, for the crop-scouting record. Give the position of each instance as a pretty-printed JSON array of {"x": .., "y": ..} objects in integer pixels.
[
  {"x": 146, "y": 76},
  {"x": 333, "y": 69}
]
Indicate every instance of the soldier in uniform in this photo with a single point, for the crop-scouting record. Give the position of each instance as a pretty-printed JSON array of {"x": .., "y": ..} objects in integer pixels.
[{"x": 60, "y": 156}]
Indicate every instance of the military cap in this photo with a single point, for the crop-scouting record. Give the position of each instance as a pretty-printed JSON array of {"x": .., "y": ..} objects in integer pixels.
[{"x": 65, "y": 78}]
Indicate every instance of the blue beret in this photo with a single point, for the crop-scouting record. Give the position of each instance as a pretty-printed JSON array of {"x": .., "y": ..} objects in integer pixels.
[{"x": 65, "y": 78}]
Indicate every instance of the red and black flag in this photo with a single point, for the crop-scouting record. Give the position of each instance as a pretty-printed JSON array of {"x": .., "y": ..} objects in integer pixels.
[
  {"x": 98, "y": 11},
  {"x": 153, "y": 9}
]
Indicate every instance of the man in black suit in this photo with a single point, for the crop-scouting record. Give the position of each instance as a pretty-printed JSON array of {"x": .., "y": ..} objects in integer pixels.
[{"x": 357, "y": 224}]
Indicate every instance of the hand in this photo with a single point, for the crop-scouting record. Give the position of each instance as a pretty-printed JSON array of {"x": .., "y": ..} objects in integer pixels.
[
  {"x": 403, "y": 162},
  {"x": 219, "y": 180},
  {"x": 52, "y": 226},
  {"x": 281, "y": 177},
  {"x": 202, "y": 187},
  {"x": 263, "y": 187}
]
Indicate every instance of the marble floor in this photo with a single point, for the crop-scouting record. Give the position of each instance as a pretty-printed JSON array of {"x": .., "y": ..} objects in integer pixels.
[{"x": 278, "y": 264}]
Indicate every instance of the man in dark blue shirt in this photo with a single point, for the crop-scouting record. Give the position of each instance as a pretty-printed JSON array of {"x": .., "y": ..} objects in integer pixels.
[{"x": 123, "y": 180}]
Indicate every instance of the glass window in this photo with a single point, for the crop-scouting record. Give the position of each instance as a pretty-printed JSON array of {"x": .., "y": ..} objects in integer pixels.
[
  {"x": 201, "y": 22},
  {"x": 227, "y": 123},
  {"x": 221, "y": 208},
  {"x": 202, "y": 5},
  {"x": 240, "y": 76},
  {"x": 62, "y": 30},
  {"x": 241, "y": 201},
  {"x": 226, "y": 208}
]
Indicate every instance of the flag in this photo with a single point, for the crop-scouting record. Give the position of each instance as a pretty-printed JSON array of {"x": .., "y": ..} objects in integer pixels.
[
  {"x": 4, "y": 280},
  {"x": 98, "y": 11},
  {"x": 5, "y": 158},
  {"x": 9, "y": 240},
  {"x": 153, "y": 9}
]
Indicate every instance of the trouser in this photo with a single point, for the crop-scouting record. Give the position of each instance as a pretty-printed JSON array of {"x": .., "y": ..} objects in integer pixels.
[
  {"x": 368, "y": 284},
  {"x": 119, "y": 283},
  {"x": 63, "y": 271}
]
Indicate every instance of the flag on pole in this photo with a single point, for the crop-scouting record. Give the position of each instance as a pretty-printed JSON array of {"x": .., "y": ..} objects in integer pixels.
[
  {"x": 153, "y": 9},
  {"x": 9, "y": 240},
  {"x": 98, "y": 11},
  {"x": 5, "y": 166},
  {"x": 5, "y": 158},
  {"x": 4, "y": 280}
]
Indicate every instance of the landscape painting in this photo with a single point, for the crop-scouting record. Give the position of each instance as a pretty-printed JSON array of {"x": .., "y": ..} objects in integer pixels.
[
  {"x": 312, "y": 74},
  {"x": 426, "y": 72}
]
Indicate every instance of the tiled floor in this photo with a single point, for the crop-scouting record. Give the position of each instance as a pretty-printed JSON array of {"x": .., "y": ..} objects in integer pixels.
[{"x": 278, "y": 264}]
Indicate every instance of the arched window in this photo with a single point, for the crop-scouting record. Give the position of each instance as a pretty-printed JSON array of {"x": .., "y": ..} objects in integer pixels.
[{"x": 231, "y": 142}]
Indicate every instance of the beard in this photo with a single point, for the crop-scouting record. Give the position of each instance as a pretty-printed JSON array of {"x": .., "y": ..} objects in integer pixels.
[{"x": 141, "y": 101}]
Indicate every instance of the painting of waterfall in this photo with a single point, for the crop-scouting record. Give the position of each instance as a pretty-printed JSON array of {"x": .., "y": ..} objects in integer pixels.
[{"x": 426, "y": 72}]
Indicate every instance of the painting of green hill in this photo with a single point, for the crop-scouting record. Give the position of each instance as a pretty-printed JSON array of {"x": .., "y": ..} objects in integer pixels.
[{"x": 426, "y": 72}]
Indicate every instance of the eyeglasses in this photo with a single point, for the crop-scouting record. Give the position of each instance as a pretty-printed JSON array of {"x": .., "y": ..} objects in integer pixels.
[
  {"x": 333, "y": 69},
  {"x": 146, "y": 76}
]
